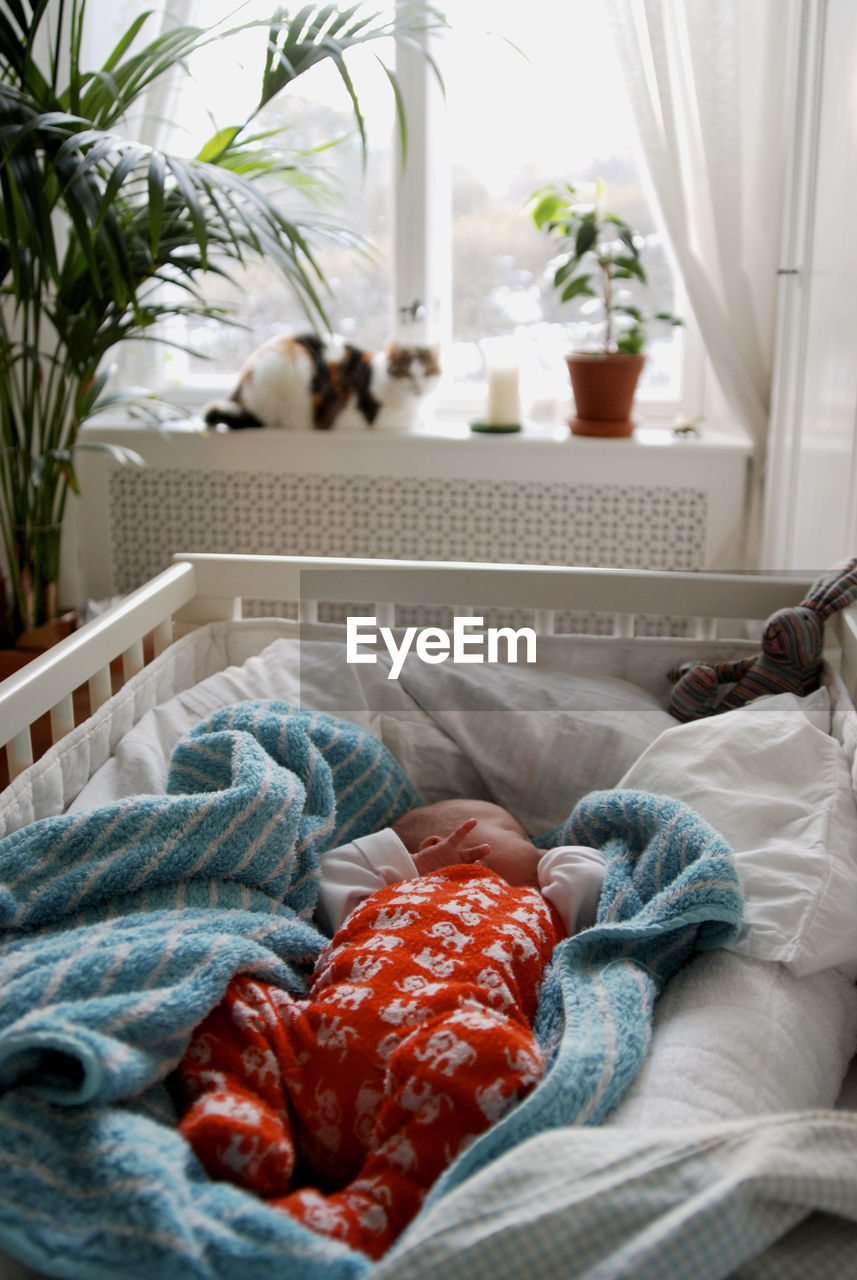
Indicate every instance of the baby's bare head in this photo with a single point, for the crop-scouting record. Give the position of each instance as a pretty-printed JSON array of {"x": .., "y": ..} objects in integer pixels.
[{"x": 513, "y": 856}]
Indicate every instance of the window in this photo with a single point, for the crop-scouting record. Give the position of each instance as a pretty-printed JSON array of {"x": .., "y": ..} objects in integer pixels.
[
  {"x": 525, "y": 104},
  {"x": 313, "y": 117},
  {"x": 532, "y": 104}
]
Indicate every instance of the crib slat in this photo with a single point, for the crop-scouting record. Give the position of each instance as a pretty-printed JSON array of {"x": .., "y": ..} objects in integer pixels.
[
  {"x": 385, "y": 613},
  {"x": 62, "y": 718},
  {"x": 162, "y": 636},
  {"x": 100, "y": 688},
  {"x": 623, "y": 625},
  {"x": 19, "y": 753},
  {"x": 705, "y": 628},
  {"x": 307, "y": 611},
  {"x": 132, "y": 659},
  {"x": 545, "y": 620}
]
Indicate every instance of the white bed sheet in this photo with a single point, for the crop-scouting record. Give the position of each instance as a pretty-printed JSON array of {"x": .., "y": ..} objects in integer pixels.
[{"x": 773, "y": 1198}]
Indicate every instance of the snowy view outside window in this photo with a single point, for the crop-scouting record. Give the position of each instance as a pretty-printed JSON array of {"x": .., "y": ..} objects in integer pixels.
[{"x": 527, "y": 104}]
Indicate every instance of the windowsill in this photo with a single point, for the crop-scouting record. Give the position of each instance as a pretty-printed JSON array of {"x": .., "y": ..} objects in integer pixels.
[
  {"x": 448, "y": 428},
  {"x": 358, "y": 470},
  {"x": 541, "y": 453}
]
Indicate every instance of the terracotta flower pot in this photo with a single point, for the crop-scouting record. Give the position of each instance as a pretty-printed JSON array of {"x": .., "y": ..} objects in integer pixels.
[
  {"x": 38, "y": 639},
  {"x": 604, "y": 386}
]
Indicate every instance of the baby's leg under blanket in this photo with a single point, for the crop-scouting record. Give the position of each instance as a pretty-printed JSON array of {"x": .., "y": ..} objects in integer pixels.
[
  {"x": 446, "y": 1082},
  {"x": 238, "y": 1119}
]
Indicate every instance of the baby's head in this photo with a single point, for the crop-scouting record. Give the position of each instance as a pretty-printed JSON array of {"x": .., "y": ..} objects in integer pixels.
[{"x": 513, "y": 855}]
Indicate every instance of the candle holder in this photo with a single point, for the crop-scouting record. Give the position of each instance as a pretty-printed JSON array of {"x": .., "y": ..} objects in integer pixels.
[
  {"x": 496, "y": 428},
  {"x": 503, "y": 379}
]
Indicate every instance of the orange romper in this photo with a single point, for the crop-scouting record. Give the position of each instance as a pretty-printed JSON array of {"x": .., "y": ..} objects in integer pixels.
[{"x": 343, "y": 1108}]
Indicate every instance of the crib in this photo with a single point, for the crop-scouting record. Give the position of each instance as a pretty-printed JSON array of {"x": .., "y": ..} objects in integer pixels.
[{"x": 730, "y": 1152}]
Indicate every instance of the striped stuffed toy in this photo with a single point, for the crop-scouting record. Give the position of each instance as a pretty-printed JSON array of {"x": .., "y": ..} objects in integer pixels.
[{"x": 790, "y": 661}]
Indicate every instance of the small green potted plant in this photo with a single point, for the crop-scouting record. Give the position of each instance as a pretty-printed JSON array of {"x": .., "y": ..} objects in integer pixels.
[{"x": 599, "y": 253}]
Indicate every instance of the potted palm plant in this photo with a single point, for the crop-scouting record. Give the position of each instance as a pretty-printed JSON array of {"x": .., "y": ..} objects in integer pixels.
[
  {"x": 599, "y": 257},
  {"x": 93, "y": 223}
]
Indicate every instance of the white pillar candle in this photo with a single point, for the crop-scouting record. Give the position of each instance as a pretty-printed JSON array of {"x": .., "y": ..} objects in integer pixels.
[{"x": 504, "y": 395}]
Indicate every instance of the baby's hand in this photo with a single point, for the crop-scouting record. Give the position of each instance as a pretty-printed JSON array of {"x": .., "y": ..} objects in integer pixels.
[{"x": 437, "y": 852}]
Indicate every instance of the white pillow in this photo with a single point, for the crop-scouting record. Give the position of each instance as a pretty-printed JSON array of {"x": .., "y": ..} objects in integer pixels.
[
  {"x": 435, "y": 764},
  {"x": 773, "y": 782},
  {"x": 539, "y": 739}
]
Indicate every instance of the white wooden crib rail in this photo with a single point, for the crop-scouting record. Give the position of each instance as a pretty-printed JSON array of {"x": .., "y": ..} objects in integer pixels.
[
  {"x": 201, "y": 588},
  {"x": 47, "y": 684}
]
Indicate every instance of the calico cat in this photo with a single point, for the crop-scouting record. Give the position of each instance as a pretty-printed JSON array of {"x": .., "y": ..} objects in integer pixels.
[{"x": 304, "y": 382}]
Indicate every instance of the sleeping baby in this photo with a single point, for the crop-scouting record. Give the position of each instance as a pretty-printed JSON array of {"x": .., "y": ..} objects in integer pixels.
[{"x": 343, "y": 1108}]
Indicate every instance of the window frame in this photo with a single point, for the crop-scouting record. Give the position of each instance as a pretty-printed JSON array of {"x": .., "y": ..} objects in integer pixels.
[
  {"x": 422, "y": 246},
  {"x": 421, "y": 285}
]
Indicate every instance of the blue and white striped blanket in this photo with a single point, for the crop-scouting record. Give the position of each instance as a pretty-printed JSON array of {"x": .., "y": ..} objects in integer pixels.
[{"x": 121, "y": 927}]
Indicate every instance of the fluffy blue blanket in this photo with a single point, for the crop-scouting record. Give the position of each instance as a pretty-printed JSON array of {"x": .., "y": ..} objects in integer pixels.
[{"x": 121, "y": 927}]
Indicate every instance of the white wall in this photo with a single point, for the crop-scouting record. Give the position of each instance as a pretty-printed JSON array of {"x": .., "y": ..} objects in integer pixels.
[{"x": 812, "y": 464}]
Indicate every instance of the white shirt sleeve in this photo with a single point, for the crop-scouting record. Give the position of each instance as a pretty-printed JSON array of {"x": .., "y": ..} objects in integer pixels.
[
  {"x": 354, "y": 871},
  {"x": 570, "y": 878}
]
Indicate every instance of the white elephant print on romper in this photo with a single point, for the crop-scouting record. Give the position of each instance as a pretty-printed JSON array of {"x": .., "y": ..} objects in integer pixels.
[
  {"x": 371, "y": 959},
  {"x": 261, "y": 1067},
  {"x": 483, "y": 894},
  {"x": 400, "y": 1012},
  {"x": 436, "y": 963},
  {"x": 416, "y": 1011},
  {"x": 494, "y": 1100},
  {"x": 448, "y": 935},
  {"x": 325, "y": 1119},
  {"x": 502, "y": 953},
  {"x": 462, "y": 912},
  {"x": 494, "y": 989},
  {"x": 445, "y": 1053},
  {"x": 395, "y": 917},
  {"x": 366, "y": 1106},
  {"x": 416, "y": 985},
  {"x": 400, "y": 1152},
  {"x": 522, "y": 942},
  {"x": 285, "y": 1005},
  {"x": 199, "y": 1052},
  {"x": 332, "y": 1033},
  {"x": 536, "y": 918},
  {"x": 416, "y": 891},
  {"x": 322, "y": 1215},
  {"x": 246, "y": 1153},
  {"x": 528, "y": 1064},
  {"x": 248, "y": 1018},
  {"x": 349, "y": 996},
  {"x": 243, "y": 1111},
  {"x": 420, "y": 1099},
  {"x": 364, "y": 1196}
]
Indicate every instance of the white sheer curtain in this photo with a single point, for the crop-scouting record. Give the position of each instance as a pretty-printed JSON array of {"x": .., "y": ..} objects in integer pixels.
[
  {"x": 106, "y": 23},
  {"x": 709, "y": 86}
]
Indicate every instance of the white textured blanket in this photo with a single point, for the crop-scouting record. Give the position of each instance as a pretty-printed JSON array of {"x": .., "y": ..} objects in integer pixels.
[{"x": 736, "y": 1037}]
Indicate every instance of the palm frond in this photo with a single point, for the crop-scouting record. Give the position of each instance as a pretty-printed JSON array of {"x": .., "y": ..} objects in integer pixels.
[{"x": 93, "y": 224}]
